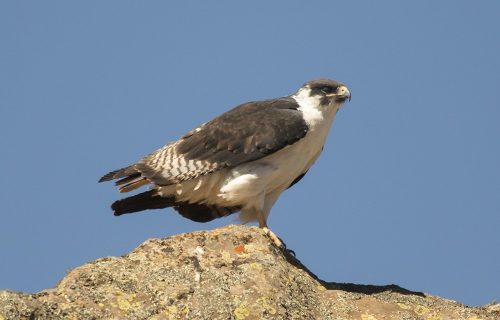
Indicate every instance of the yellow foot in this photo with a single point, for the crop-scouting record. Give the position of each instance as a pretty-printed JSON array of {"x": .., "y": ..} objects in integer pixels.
[{"x": 273, "y": 237}]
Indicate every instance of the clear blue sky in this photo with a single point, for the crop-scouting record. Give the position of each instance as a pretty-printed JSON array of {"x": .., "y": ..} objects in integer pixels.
[{"x": 407, "y": 190}]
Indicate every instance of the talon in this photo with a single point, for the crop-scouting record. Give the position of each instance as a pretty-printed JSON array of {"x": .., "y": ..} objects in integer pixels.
[
  {"x": 290, "y": 251},
  {"x": 278, "y": 242}
]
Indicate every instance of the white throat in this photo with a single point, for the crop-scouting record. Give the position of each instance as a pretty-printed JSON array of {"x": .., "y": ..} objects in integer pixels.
[{"x": 314, "y": 114}]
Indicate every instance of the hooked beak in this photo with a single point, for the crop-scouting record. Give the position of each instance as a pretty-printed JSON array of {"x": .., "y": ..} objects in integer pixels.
[{"x": 343, "y": 94}]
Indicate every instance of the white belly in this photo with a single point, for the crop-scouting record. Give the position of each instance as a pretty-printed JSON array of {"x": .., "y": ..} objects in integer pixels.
[{"x": 273, "y": 173}]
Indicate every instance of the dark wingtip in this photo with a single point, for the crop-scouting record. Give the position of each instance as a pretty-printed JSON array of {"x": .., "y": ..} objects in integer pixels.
[
  {"x": 109, "y": 176},
  {"x": 120, "y": 173}
]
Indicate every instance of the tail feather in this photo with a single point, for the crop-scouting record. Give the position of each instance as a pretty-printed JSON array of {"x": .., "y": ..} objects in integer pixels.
[
  {"x": 198, "y": 212},
  {"x": 142, "y": 201},
  {"x": 128, "y": 179},
  {"x": 134, "y": 185},
  {"x": 120, "y": 173}
]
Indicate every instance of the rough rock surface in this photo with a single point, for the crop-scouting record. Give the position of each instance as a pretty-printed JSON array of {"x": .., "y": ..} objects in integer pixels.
[{"x": 235, "y": 272}]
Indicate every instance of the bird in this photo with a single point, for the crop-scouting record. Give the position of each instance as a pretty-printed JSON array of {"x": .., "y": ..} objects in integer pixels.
[{"x": 241, "y": 161}]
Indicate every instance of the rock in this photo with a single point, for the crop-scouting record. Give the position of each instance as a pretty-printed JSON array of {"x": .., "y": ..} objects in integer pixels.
[{"x": 235, "y": 272}]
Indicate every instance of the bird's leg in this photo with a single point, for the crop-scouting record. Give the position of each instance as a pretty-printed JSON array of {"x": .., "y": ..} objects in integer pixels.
[
  {"x": 277, "y": 241},
  {"x": 263, "y": 224},
  {"x": 262, "y": 218}
]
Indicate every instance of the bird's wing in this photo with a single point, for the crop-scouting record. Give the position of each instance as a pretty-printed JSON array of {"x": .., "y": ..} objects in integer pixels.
[{"x": 246, "y": 133}]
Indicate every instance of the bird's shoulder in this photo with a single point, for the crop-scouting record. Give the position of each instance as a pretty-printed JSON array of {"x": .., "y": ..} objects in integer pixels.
[
  {"x": 263, "y": 110},
  {"x": 250, "y": 130}
]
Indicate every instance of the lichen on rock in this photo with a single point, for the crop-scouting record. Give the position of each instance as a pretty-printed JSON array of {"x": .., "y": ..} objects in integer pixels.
[{"x": 235, "y": 272}]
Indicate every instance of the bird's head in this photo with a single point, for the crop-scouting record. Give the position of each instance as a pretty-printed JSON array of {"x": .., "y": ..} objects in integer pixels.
[{"x": 326, "y": 91}]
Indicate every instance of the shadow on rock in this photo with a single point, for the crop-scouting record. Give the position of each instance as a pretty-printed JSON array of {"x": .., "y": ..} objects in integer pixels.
[{"x": 349, "y": 287}]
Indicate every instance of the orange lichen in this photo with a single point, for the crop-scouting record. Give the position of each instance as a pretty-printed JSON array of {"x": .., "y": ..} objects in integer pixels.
[{"x": 239, "y": 249}]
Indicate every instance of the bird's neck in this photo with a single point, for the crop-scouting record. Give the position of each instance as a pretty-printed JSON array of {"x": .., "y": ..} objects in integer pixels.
[{"x": 316, "y": 116}]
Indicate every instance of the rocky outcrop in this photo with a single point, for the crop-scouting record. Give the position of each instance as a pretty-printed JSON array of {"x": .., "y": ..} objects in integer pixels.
[{"x": 235, "y": 272}]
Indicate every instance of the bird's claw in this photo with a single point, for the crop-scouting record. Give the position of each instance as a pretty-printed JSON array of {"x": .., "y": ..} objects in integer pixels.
[{"x": 277, "y": 241}]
